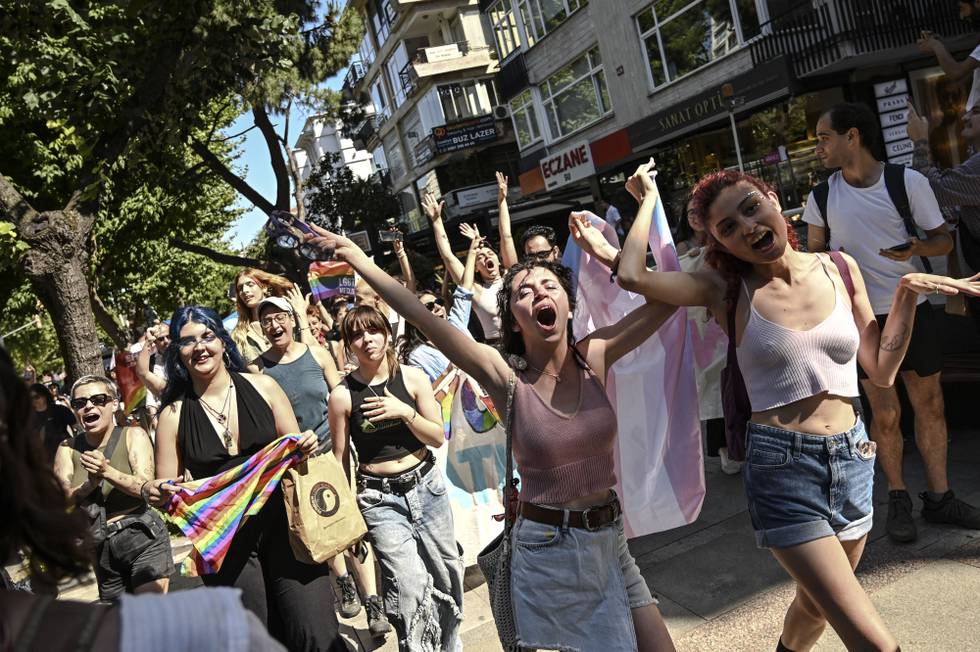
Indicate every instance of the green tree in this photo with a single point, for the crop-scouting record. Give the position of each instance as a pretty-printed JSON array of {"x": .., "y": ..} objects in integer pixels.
[
  {"x": 96, "y": 97},
  {"x": 335, "y": 197}
]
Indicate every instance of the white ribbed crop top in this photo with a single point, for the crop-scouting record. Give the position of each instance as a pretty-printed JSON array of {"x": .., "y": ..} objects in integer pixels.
[{"x": 781, "y": 365}]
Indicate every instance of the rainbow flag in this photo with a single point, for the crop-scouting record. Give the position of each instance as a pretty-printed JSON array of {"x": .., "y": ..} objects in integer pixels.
[
  {"x": 330, "y": 278},
  {"x": 209, "y": 511}
]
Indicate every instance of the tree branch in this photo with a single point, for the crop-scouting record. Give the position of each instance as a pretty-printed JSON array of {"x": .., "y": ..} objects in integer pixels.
[
  {"x": 226, "y": 259},
  {"x": 105, "y": 319},
  {"x": 14, "y": 207},
  {"x": 275, "y": 156},
  {"x": 240, "y": 185}
]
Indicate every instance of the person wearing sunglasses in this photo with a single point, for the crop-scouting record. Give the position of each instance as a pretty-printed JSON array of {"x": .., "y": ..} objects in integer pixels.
[
  {"x": 414, "y": 348},
  {"x": 102, "y": 470}
]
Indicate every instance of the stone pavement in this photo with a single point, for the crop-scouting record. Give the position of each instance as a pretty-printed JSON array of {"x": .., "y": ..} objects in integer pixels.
[{"x": 719, "y": 592}]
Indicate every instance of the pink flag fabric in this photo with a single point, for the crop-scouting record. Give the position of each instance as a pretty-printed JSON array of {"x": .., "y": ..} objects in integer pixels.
[{"x": 659, "y": 462}]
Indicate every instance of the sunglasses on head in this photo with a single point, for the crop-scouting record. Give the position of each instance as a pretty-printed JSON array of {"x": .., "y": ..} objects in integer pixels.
[
  {"x": 98, "y": 400},
  {"x": 429, "y": 305}
]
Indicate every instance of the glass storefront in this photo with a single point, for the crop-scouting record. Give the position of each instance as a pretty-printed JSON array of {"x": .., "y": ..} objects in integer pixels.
[{"x": 943, "y": 102}]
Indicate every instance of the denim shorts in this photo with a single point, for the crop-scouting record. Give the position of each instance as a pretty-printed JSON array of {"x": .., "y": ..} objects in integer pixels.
[
  {"x": 804, "y": 487},
  {"x": 573, "y": 589},
  {"x": 137, "y": 552}
]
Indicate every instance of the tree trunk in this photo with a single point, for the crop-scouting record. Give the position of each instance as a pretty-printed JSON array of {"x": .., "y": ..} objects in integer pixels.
[{"x": 56, "y": 269}]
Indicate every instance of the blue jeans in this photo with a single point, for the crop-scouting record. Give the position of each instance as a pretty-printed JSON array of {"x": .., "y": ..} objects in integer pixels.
[
  {"x": 421, "y": 570},
  {"x": 804, "y": 487}
]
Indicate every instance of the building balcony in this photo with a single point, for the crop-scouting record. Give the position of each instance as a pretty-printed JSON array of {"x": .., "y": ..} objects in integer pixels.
[
  {"x": 440, "y": 59},
  {"x": 354, "y": 75},
  {"x": 824, "y": 39}
]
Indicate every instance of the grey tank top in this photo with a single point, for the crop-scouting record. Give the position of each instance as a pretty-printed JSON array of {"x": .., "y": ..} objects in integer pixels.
[{"x": 307, "y": 390}]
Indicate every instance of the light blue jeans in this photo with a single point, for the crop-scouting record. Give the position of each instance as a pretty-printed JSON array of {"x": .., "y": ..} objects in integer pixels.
[{"x": 421, "y": 570}]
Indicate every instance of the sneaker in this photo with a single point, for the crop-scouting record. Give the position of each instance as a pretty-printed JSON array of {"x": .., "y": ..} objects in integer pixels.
[
  {"x": 899, "y": 525},
  {"x": 377, "y": 621},
  {"x": 728, "y": 465},
  {"x": 350, "y": 604},
  {"x": 950, "y": 510}
]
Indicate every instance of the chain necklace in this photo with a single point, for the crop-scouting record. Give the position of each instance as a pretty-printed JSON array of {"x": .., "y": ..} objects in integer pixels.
[
  {"x": 557, "y": 377},
  {"x": 222, "y": 415}
]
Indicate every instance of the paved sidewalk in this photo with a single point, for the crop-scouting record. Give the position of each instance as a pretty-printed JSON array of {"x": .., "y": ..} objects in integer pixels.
[{"x": 719, "y": 592}]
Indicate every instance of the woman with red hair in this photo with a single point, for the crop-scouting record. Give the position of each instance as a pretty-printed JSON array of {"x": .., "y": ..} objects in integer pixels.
[{"x": 801, "y": 323}]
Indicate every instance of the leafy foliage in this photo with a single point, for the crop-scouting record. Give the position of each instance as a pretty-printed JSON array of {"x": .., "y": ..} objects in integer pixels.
[{"x": 336, "y": 197}]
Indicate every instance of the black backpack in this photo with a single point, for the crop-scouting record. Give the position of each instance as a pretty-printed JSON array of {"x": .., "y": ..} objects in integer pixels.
[{"x": 895, "y": 185}]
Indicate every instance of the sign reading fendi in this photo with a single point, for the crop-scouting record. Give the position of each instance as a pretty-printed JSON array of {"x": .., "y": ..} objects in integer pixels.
[
  {"x": 468, "y": 133},
  {"x": 567, "y": 165}
]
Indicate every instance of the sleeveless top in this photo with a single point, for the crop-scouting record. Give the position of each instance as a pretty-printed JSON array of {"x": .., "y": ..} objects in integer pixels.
[
  {"x": 201, "y": 447},
  {"x": 307, "y": 391},
  {"x": 385, "y": 440},
  {"x": 485, "y": 308},
  {"x": 781, "y": 365},
  {"x": 115, "y": 501},
  {"x": 561, "y": 457}
]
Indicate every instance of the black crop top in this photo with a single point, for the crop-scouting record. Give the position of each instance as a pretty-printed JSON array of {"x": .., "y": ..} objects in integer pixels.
[
  {"x": 386, "y": 440},
  {"x": 201, "y": 448}
]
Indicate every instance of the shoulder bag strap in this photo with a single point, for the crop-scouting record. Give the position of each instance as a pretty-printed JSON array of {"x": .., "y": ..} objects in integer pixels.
[
  {"x": 28, "y": 633},
  {"x": 845, "y": 271},
  {"x": 897, "y": 192},
  {"x": 732, "y": 354},
  {"x": 510, "y": 487},
  {"x": 820, "y": 194}
]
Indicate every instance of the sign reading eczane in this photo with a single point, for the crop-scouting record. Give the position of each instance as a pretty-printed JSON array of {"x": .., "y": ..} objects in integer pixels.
[{"x": 568, "y": 165}]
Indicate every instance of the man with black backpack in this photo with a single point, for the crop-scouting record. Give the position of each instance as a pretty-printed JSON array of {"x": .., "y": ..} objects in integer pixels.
[{"x": 873, "y": 211}]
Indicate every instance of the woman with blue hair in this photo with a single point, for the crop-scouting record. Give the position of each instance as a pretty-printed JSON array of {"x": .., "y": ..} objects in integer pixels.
[{"x": 213, "y": 417}]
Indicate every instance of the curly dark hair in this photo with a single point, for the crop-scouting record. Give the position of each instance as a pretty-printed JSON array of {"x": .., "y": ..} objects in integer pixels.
[
  {"x": 511, "y": 342},
  {"x": 33, "y": 508},
  {"x": 703, "y": 196}
]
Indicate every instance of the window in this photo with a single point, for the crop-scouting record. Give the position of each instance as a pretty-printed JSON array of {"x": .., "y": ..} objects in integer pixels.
[
  {"x": 467, "y": 99},
  {"x": 543, "y": 16},
  {"x": 576, "y": 95},
  {"x": 505, "y": 32},
  {"x": 380, "y": 99},
  {"x": 679, "y": 41},
  {"x": 525, "y": 119},
  {"x": 393, "y": 153},
  {"x": 382, "y": 16},
  {"x": 365, "y": 51}
]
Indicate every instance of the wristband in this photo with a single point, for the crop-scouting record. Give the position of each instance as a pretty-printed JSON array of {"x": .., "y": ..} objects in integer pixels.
[
  {"x": 143, "y": 492},
  {"x": 615, "y": 267},
  {"x": 414, "y": 414}
]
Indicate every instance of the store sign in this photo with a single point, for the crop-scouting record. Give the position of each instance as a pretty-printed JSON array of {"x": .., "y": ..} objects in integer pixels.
[
  {"x": 893, "y": 113},
  {"x": 462, "y": 135},
  {"x": 761, "y": 84},
  {"x": 568, "y": 165},
  {"x": 476, "y": 195}
]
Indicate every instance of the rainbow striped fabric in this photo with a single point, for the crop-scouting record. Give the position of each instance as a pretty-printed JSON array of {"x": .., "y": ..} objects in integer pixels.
[{"x": 209, "y": 511}]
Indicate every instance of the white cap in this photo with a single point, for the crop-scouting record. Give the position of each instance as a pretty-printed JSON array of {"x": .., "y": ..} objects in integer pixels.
[{"x": 278, "y": 302}]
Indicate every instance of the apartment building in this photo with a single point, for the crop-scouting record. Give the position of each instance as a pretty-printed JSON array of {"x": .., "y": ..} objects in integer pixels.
[
  {"x": 425, "y": 75},
  {"x": 592, "y": 87},
  {"x": 322, "y": 136}
]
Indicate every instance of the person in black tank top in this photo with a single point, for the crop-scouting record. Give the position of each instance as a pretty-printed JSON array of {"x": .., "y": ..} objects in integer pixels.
[
  {"x": 212, "y": 418},
  {"x": 389, "y": 416}
]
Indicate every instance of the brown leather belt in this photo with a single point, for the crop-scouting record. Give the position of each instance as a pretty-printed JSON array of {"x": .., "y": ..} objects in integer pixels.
[{"x": 591, "y": 519}]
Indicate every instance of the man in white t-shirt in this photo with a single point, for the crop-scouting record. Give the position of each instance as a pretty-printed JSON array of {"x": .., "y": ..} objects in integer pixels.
[
  {"x": 611, "y": 214},
  {"x": 958, "y": 70},
  {"x": 864, "y": 221}
]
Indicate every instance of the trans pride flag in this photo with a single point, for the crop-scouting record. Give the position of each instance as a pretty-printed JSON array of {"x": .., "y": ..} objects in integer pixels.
[
  {"x": 209, "y": 511},
  {"x": 659, "y": 463}
]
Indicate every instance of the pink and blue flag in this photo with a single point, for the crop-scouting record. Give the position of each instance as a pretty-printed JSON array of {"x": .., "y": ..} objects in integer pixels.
[
  {"x": 659, "y": 463},
  {"x": 210, "y": 511}
]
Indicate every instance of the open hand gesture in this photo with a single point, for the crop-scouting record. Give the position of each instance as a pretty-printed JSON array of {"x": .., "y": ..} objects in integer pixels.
[
  {"x": 296, "y": 300},
  {"x": 385, "y": 408},
  {"x": 432, "y": 208},
  {"x": 471, "y": 233},
  {"x": 586, "y": 236},
  {"x": 933, "y": 284}
]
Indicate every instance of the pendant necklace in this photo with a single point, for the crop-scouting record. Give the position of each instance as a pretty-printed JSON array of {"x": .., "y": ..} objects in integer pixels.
[
  {"x": 222, "y": 415},
  {"x": 557, "y": 377}
]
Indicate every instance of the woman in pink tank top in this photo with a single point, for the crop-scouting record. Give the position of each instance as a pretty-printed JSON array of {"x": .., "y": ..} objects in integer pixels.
[
  {"x": 575, "y": 585},
  {"x": 799, "y": 335}
]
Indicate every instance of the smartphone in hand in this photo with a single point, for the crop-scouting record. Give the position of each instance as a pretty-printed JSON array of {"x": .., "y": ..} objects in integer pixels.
[{"x": 905, "y": 246}]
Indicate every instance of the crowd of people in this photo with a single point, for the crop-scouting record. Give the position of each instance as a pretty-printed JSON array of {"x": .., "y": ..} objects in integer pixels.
[{"x": 812, "y": 330}]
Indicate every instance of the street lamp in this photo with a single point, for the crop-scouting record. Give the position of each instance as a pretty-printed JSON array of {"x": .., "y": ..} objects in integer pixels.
[{"x": 728, "y": 92}]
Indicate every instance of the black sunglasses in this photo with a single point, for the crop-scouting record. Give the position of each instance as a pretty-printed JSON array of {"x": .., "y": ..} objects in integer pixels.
[
  {"x": 282, "y": 227},
  {"x": 98, "y": 400},
  {"x": 429, "y": 305}
]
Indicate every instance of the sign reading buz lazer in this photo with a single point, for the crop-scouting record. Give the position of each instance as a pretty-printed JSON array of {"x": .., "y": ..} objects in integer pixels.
[
  {"x": 468, "y": 133},
  {"x": 567, "y": 165}
]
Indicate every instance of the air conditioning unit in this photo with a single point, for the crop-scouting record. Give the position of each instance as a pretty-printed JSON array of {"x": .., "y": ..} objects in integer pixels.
[{"x": 501, "y": 112}]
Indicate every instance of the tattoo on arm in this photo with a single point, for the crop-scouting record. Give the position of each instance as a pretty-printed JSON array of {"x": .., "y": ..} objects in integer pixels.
[
  {"x": 895, "y": 342},
  {"x": 920, "y": 155}
]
